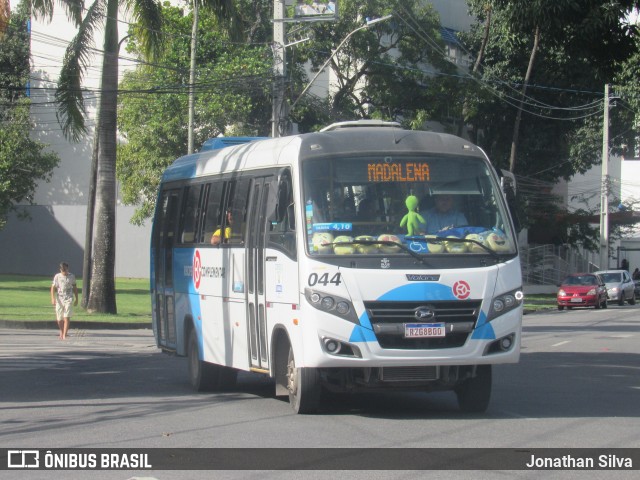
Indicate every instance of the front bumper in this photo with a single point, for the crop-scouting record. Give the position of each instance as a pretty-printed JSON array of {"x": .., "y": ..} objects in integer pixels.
[{"x": 586, "y": 301}]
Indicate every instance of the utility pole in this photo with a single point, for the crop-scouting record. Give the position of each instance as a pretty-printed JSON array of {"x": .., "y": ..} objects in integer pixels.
[
  {"x": 279, "y": 113},
  {"x": 604, "y": 187},
  {"x": 192, "y": 79}
]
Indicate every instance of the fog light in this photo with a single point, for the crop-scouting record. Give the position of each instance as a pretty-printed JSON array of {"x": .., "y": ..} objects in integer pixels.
[
  {"x": 331, "y": 345},
  {"x": 506, "y": 343}
]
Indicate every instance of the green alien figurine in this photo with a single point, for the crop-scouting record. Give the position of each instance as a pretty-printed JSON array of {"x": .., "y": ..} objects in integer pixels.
[{"x": 412, "y": 219}]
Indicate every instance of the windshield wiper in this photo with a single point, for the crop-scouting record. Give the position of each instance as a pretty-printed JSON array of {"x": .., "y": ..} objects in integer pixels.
[
  {"x": 438, "y": 240},
  {"x": 389, "y": 243}
]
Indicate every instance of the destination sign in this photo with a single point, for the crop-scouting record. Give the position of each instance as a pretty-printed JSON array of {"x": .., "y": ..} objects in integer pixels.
[{"x": 398, "y": 172}]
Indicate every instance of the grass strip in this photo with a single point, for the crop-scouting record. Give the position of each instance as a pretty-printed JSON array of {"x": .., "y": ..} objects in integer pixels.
[{"x": 28, "y": 298}]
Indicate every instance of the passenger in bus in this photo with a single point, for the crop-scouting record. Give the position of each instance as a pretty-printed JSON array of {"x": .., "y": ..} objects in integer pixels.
[
  {"x": 216, "y": 238},
  {"x": 444, "y": 215},
  {"x": 366, "y": 210}
]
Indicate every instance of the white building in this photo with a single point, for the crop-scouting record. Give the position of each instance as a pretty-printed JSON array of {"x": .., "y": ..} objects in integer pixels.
[{"x": 583, "y": 191}]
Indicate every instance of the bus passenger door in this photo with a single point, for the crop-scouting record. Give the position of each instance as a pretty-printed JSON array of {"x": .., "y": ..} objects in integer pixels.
[
  {"x": 259, "y": 356},
  {"x": 164, "y": 237}
]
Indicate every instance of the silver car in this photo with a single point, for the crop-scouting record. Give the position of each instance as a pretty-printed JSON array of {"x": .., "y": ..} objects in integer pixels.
[{"x": 620, "y": 287}]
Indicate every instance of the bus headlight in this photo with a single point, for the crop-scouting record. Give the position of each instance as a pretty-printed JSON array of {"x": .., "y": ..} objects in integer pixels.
[
  {"x": 343, "y": 308},
  {"x": 327, "y": 303},
  {"x": 505, "y": 303},
  {"x": 333, "y": 304}
]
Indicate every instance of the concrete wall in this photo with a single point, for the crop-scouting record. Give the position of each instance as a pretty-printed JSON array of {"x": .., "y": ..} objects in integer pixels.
[{"x": 55, "y": 233}]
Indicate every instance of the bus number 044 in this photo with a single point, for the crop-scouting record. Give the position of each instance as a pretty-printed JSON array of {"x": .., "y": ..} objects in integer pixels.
[{"x": 315, "y": 279}]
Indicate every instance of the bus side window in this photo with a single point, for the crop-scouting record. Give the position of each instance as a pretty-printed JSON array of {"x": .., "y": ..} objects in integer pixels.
[
  {"x": 213, "y": 212},
  {"x": 189, "y": 215},
  {"x": 238, "y": 204},
  {"x": 281, "y": 218}
]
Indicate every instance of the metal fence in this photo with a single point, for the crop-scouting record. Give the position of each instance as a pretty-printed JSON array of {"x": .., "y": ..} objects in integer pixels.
[{"x": 549, "y": 264}]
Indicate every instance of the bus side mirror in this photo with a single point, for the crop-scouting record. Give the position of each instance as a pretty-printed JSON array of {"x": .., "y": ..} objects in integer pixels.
[
  {"x": 508, "y": 185},
  {"x": 283, "y": 197},
  {"x": 291, "y": 216}
]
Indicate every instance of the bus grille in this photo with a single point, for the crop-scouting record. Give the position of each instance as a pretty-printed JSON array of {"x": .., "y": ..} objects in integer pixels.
[{"x": 388, "y": 319}]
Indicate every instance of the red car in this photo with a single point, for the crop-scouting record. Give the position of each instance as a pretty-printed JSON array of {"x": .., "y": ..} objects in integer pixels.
[{"x": 582, "y": 290}]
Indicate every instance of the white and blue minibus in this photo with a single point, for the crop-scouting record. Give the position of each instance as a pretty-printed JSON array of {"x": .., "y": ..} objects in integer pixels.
[{"x": 319, "y": 260}]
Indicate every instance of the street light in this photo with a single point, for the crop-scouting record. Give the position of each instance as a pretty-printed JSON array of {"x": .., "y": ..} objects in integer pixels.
[{"x": 366, "y": 25}]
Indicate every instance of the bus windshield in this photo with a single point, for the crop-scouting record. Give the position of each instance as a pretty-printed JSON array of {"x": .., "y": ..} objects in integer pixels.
[{"x": 377, "y": 205}]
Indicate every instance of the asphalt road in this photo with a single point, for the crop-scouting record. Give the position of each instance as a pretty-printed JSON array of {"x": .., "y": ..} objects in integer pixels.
[{"x": 577, "y": 385}]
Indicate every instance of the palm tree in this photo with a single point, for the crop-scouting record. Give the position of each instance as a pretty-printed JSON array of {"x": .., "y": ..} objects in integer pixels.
[{"x": 71, "y": 114}]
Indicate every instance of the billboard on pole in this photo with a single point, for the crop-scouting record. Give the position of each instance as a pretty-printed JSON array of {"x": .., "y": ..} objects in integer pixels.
[{"x": 311, "y": 11}]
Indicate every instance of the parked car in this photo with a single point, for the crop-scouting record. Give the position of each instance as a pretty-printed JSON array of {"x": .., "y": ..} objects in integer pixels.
[
  {"x": 620, "y": 287},
  {"x": 582, "y": 290}
]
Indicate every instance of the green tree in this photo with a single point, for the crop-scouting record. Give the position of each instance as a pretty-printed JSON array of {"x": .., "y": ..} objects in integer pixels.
[
  {"x": 23, "y": 161},
  {"x": 395, "y": 69},
  {"x": 627, "y": 85},
  {"x": 545, "y": 62},
  {"x": 232, "y": 97},
  {"x": 579, "y": 46}
]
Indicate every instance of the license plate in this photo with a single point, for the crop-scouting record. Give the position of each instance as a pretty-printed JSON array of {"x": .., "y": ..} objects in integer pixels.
[
  {"x": 424, "y": 330},
  {"x": 576, "y": 300}
]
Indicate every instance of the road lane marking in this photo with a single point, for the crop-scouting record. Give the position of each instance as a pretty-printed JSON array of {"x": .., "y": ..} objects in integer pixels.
[{"x": 560, "y": 343}]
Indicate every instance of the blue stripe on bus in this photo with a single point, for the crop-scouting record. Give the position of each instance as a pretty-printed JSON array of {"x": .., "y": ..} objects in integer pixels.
[
  {"x": 184, "y": 167},
  {"x": 197, "y": 322},
  {"x": 187, "y": 303},
  {"x": 365, "y": 321},
  {"x": 419, "y": 292},
  {"x": 360, "y": 334},
  {"x": 484, "y": 330}
]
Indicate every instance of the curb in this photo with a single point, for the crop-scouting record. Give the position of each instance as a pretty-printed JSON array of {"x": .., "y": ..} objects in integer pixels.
[{"x": 51, "y": 324}]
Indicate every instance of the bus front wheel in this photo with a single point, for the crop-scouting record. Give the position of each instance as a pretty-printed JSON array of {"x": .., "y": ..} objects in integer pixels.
[
  {"x": 475, "y": 392},
  {"x": 203, "y": 376},
  {"x": 303, "y": 385}
]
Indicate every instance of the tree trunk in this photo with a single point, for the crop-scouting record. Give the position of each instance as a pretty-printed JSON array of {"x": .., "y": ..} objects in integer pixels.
[
  {"x": 516, "y": 127},
  {"x": 102, "y": 297},
  {"x": 88, "y": 236}
]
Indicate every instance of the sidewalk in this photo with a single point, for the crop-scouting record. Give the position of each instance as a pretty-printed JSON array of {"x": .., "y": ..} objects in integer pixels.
[{"x": 80, "y": 324}]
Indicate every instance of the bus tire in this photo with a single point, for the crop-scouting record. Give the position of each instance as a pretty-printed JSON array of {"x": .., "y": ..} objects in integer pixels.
[
  {"x": 303, "y": 385},
  {"x": 474, "y": 393},
  {"x": 203, "y": 376}
]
